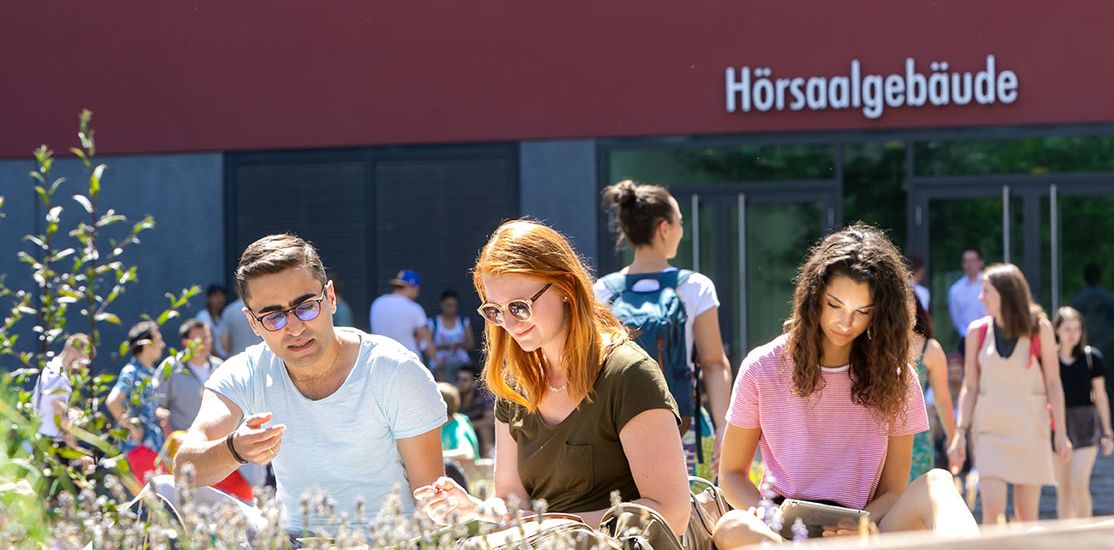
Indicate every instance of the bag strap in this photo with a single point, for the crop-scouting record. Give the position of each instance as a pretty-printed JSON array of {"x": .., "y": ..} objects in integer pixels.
[
  {"x": 980, "y": 331},
  {"x": 1087, "y": 356}
]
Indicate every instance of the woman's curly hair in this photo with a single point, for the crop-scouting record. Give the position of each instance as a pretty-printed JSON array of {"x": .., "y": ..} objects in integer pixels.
[{"x": 880, "y": 357}]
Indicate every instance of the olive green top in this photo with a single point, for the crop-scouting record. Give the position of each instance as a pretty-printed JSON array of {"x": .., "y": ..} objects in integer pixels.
[{"x": 576, "y": 464}]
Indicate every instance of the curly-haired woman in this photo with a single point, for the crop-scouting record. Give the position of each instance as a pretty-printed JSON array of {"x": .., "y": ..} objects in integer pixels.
[{"x": 834, "y": 403}]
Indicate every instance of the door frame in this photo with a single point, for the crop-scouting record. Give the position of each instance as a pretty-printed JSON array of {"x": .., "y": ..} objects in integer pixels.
[
  {"x": 823, "y": 192},
  {"x": 1031, "y": 189}
]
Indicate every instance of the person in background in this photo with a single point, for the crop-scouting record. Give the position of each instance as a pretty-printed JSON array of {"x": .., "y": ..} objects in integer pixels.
[
  {"x": 932, "y": 373},
  {"x": 51, "y": 394},
  {"x": 343, "y": 317},
  {"x": 180, "y": 392},
  {"x": 452, "y": 337},
  {"x": 235, "y": 332},
  {"x": 581, "y": 411},
  {"x": 216, "y": 298},
  {"x": 458, "y": 439},
  {"x": 963, "y": 296},
  {"x": 478, "y": 405},
  {"x": 1086, "y": 410},
  {"x": 398, "y": 316},
  {"x": 134, "y": 399},
  {"x": 834, "y": 403},
  {"x": 1011, "y": 376},
  {"x": 1096, "y": 304},
  {"x": 650, "y": 220},
  {"x": 917, "y": 267}
]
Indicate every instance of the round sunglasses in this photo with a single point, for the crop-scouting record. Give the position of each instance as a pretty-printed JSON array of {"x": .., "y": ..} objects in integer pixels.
[
  {"x": 306, "y": 311},
  {"x": 521, "y": 310}
]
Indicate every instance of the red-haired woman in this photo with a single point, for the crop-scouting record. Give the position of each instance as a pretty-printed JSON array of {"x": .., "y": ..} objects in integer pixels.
[{"x": 580, "y": 410}]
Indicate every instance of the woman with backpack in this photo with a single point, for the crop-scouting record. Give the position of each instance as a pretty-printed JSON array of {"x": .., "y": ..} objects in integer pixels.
[
  {"x": 580, "y": 410},
  {"x": 834, "y": 404},
  {"x": 650, "y": 220},
  {"x": 1086, "y": 412},
  {"x": 1011, "y": 376}
]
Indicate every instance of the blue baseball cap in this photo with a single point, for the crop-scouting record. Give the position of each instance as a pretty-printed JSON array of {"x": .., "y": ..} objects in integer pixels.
[{"x": 406, "y": 278}]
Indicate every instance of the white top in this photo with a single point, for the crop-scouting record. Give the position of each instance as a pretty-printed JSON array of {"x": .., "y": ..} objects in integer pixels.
[
  {"x": 53, "y": 386},
  {"x": 697, "y": 293},
  {"x": 346, "y": 443},
  {"x": 963, "y": 303},
  {"x": 397, "y": 317},
  {"x": 215, "y": 327},
  {"x": 923, "y": 295}
]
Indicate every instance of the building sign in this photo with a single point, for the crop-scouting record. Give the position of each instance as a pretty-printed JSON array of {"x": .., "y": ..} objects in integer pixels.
[{"x": 758, "y": 89}]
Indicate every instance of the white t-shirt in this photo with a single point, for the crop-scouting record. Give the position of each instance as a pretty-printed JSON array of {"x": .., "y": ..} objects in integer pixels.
[
  {"x": 53, "y": 386},
  {"x": 344, "y": 444},
  {"x": 397, "y": 317},
  {"x": 697, "y": 293}
]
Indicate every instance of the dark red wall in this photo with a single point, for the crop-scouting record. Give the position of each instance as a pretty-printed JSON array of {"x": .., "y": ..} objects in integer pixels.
[{"x": 254, "y": 74}]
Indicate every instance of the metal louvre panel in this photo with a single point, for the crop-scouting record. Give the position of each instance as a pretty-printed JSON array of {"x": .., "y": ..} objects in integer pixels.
[
  {"x": 433, "y": 216},
  {"x": 324, "y": 202}
]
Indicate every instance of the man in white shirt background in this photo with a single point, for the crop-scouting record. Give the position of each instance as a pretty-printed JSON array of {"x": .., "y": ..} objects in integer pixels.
[
  {"x": 398, "y": 316},
  {"x": 963, "y": 296}
]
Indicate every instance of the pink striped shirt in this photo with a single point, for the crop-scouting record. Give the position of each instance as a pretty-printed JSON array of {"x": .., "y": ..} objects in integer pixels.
[{"x": 823, "y": 447}]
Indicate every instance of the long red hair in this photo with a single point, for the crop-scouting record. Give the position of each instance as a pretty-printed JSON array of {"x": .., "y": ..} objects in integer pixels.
[{"x": 535, "y": 250}]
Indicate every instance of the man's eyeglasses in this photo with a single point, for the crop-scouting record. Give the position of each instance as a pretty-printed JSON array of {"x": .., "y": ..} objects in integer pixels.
[
  {"x": 306, "y": 311},
  {"x": 521, "y": 310}
]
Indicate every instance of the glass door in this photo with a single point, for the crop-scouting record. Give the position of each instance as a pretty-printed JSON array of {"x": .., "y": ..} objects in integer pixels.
[
  {"x": 946, "y": 219},
  {"x": 750, "y": 241}
]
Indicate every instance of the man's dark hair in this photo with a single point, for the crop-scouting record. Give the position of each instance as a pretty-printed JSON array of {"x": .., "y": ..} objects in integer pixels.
[
  {"x": 141, "y": 333},
  {"x": 215, "y": 288},
  {"x": 1092, "y": 273},
  {"x": 975, "y": 249},
  {"x": 276, "y": 253},
  {"x": 449, "y": 293},
  {"x": 915, "y": 261},
  {"x": 188, "y": 326}
]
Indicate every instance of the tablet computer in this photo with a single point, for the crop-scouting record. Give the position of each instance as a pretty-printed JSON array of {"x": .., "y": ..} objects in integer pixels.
[{"x": 818, "y": 517}]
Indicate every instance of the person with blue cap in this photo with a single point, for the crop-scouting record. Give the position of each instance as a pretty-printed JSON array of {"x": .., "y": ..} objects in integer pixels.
[{"x": 397, "y": 315}]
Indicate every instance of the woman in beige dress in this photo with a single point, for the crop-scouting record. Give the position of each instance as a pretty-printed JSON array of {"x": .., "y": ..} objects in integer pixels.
[{"x": 1010, "y": 379}]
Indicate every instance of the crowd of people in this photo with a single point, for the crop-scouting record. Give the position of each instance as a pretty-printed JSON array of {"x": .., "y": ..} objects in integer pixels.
[{"x": 617, "y": 384}]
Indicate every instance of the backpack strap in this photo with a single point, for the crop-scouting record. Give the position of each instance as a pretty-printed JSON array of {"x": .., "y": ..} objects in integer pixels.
[
  {"x": 980, "y": 332},
  {"x": 616, "y": 283},
  {"x": 1087, "y": 356},
  {"x": 1035, "y": 349}
]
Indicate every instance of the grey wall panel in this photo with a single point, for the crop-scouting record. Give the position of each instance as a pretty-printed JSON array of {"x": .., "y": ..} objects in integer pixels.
[
  {"x": 559, "y": 187},
  {"x": 186, "y": 247}
]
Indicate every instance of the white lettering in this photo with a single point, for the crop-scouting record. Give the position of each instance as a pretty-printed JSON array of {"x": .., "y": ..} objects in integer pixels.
[
  {"x": 872, "y": 96},
  {"x": 895, "y": 91},
  {"x": 817, "y": 94},
  {"x": 1007, "y": 86},
  {"x": 796, "y": 89},
  {"x": 740, "y": 87},
  {"x": 839, "y": 90},
  {"x": 746, "y": 88},
  {"x": 984, "y": 83}
]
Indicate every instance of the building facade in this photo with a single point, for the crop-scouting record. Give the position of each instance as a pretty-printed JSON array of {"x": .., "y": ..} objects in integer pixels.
[{"x": 395, "y": 136}]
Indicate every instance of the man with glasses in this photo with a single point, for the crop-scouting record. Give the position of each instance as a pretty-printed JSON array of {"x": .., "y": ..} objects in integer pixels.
[{"x": 334, "y": 409}]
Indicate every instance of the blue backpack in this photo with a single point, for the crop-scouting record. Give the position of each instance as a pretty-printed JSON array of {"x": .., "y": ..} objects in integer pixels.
[{"x": 658, "y": 322}]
